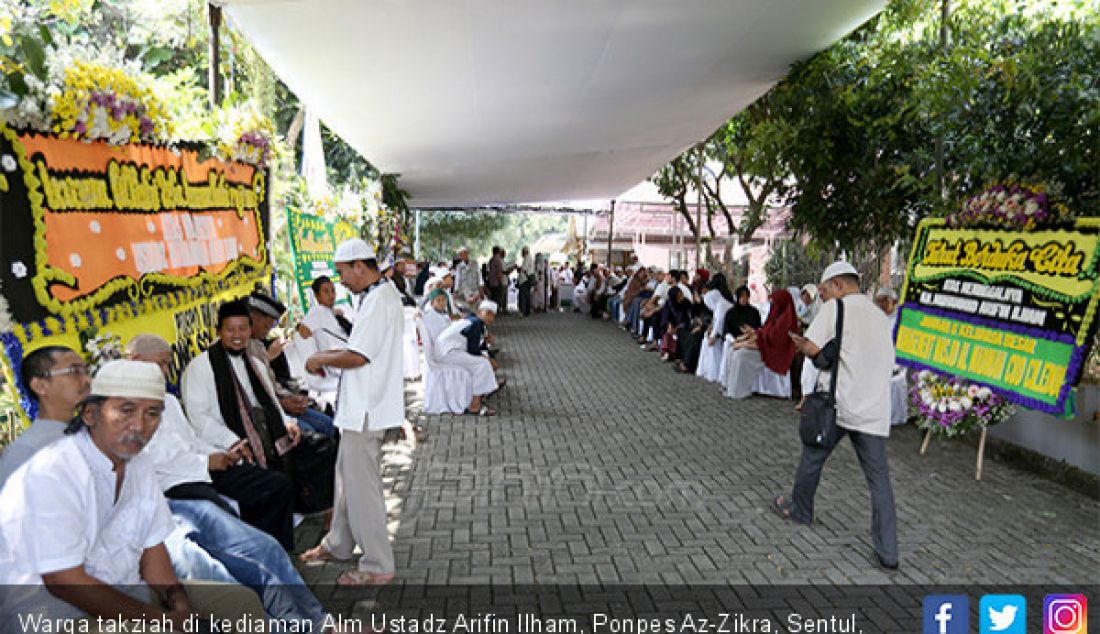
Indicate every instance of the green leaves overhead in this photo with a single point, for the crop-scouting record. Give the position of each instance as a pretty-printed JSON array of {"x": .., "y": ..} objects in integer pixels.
[{"x": 847, "y": 139}]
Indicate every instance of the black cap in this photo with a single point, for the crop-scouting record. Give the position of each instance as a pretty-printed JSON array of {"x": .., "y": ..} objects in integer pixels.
[{"x": 267, "y": 305}]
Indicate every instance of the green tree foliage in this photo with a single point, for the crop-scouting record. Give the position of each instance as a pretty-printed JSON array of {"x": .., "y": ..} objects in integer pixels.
[
  {"x": 443, "y": 232},
  {"x": 793, "y": 264},
  {"x": 848, "y": 138}
]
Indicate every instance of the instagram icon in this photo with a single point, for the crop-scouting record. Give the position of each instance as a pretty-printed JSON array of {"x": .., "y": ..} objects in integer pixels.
[{"x": 1065, "y": 614}]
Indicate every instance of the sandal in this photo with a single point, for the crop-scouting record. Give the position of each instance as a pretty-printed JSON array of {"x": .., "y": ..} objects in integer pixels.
[
  {"x": 782, "y": 508},
  {"x": 317, "y": 554},
  {"x": 484, "y": 411},
  {"x": 363, "y": 578}
]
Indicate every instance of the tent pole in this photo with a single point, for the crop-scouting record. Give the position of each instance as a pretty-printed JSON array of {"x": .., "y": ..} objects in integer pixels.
[
  {"x": 610, "y": 231},
  {"x": 214, "y": 14}
]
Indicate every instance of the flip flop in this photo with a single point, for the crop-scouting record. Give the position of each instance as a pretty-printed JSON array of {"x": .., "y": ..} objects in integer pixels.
[
  {"x": 782, "y": 508},
  {"x": 316, "y": 554},
  {"x": 363, "y": 578},
  {"x": 484, "y": 411}
]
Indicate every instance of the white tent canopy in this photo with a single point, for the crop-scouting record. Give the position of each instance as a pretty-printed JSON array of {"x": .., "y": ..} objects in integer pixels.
[{"x": 499, "y": 101}]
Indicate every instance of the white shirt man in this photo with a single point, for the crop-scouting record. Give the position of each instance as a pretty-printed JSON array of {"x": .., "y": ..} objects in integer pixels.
[
  {"x": 59, "y": 511},
  {"x": 325, "y": 334},
  {"x": 86, "y": 512},
  {"x": 201, "y": 402},
  {"x": 371, "y": 399}
]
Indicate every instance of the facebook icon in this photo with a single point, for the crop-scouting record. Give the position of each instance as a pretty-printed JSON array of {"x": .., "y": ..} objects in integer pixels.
[{"x": 946, "y": 614}]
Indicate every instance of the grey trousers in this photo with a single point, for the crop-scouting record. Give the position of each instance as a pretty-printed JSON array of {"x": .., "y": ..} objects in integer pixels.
[
  {"x": 871, "y": 451},
  {"x": 359, "y": 511}
]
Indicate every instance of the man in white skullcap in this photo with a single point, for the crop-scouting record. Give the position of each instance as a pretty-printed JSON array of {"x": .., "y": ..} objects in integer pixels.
[
  {"x": 370, "y": 400},
  {"x": 83, "y": 522},
  {"x": 465, "y": 343},
  {"x": 864, "y": 367}
]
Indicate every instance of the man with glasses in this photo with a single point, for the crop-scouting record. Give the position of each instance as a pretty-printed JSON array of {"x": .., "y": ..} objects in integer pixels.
[{"x": 56, "y": 378}]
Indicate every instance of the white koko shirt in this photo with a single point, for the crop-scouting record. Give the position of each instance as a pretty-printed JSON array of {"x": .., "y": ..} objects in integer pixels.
[
  {"x": 58, "y": 511},
  {"x": 200, "y": 397},
  {"x": 176, "y": 452},
  {"x": 372, "y": 396}
]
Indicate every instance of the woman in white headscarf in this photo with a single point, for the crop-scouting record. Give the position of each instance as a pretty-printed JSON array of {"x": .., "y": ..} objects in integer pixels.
[
  {"x": 811, "y": 301},
  {"x": 719, "y": 300},
  {"x": 811, "y": 304}
]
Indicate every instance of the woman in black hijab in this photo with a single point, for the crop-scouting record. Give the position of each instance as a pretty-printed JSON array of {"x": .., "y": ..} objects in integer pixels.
[
  {"x": 742, "y": 314},
  {"x": 690, "y": 339}
]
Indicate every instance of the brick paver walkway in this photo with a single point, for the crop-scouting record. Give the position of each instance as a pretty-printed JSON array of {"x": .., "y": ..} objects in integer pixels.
[{"x": 607, "y": 467}]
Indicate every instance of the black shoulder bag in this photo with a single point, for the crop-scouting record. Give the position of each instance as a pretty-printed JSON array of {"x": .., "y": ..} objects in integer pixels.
[{"x": 818, "y": 427}]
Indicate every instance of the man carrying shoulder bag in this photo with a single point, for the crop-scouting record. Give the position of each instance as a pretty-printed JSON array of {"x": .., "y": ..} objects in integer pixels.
[{"x": 862, "y": 369}]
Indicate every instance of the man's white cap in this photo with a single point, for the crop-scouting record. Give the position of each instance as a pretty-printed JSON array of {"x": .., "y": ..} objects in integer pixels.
[
  {"x": 352, "y": 250},
  {"x": 488, "y": 305},
  {"x": 129, "y": 379},
  {"x": 838, "y": 268}
]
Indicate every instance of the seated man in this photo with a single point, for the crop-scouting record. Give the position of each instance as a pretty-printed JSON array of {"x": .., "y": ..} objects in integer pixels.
[
  {"x": 453, "y": 353},
  {"x": 184, "y": 465},
  {"x": 229, "y": 398},
  {"x": 327, "y": 328},
  {"x": 82, "y": 523},
  {"x": 769, "y": 346},
  {"x": 472, "y": 333},
  {"x": 56, "y": 379},
  {"x": 265, "y": 312}
]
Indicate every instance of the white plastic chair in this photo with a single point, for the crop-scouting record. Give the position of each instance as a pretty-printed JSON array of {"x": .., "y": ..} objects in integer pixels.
[
  {"x": 447, "y": 389},
  {"x": 769, "y": 383}
]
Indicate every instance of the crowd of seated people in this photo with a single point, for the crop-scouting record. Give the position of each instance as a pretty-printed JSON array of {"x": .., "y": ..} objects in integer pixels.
[
  {"x": 138, "y": 486},
  {"x": 700, "y": 327},
  {"x": 193, "y": 502},
  {"x": 459, "y": 340}
]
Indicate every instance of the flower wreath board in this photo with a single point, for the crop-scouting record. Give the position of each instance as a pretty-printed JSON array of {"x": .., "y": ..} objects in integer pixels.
[
  {"x": 111, "y": 241},
  {"x": 998, "y": 308},
  {"x": 313, "y": 241}
]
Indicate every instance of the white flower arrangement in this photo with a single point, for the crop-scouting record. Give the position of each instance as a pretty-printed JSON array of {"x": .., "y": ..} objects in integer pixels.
[
  {"x": 100, "y": 349},
  {"x": 951, "y": 406},
  {"x": 7, "y": 322}
]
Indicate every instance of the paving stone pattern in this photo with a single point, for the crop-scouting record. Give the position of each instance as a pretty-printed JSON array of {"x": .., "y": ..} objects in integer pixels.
[{"x": 606, "y": 467}]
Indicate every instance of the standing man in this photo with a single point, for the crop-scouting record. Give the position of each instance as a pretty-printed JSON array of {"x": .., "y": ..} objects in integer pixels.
[
  {"x": 862, "y": 405},
  {"x": 371, "y": 399},
  {"x": 468, "y": 287},
  {"x": 497, "y": 282},
  {"x": 525, "y": 281}
]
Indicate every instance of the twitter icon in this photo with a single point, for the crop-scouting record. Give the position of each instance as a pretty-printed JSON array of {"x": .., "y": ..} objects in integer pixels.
[{"x": 1003, "y": 614}]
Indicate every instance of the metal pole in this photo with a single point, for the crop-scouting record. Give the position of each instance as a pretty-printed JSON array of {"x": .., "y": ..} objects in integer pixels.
[
  {"x": 699, "y": 207},
  {"x": 945, "y": 42},
  {"x": 416, "y": 244},
  {"x": 214, "y": 14},
  {"x": 610, "y": 230},
  {"x": 584, "y": 242}
]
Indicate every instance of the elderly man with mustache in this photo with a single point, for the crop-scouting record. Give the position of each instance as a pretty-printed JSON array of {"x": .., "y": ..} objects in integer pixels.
[{"x": 83, "y": 522}]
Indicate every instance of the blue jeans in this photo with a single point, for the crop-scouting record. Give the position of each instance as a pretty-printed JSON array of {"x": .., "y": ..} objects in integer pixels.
[
  {"x": 252, "y": 558},
  {"x": 316, "y": 421},
  {"x": 613, "y": 307}
]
